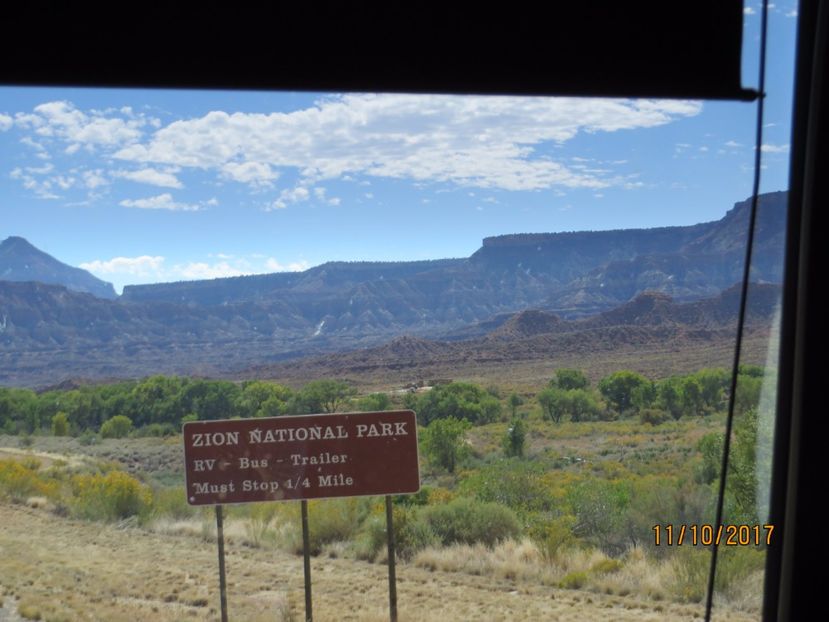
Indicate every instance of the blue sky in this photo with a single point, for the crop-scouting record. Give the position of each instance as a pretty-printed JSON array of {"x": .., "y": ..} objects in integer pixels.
[{"x": 143, "y": 186}]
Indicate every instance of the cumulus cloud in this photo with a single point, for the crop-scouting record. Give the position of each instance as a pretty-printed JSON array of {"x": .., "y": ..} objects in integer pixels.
[
  {"x": 298, "y": 194},
  {"x": 161, "y": 201},
  {"x": 256, "y": 173},
  {"x": 145, "y": 265},
  {"x": 34, "y": 179},
  {"x": 768, "y": 148},
  {"x": 63, "y": 121},
  {"x": 5, "y": 122},
  {"x": 296, "y": 266},
  {"x": 150, "y": 176},
  {"x": 156, "y": 268},
  {"x": 488, "y": 142},
  {"x": 94, "y": 179},
  {"x": 202, "y": 270}
]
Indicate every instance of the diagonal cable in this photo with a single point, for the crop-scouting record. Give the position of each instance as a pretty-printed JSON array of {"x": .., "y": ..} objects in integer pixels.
[{"x": 758, "y": 143}]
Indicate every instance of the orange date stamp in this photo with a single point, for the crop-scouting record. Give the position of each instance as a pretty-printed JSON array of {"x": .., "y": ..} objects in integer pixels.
[{"x": 706, "y": 535}]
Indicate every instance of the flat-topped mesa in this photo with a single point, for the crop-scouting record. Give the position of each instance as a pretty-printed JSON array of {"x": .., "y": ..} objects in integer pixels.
[{"x": 658, "y": 236}]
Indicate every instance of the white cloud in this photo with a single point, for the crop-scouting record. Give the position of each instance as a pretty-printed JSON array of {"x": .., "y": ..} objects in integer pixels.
[
  {"x": 162, "y": 201},
  {"x": 63, "y": 121},
  {"x": 40, "y": 150},
  {"x": 254, "y": 173},
  {"x": 633, "y": 185},
  {"x": 32, "y": 179},
  {"x": 41, "y": 170},
  {"x": 298, "y": 194},
  {"x": 155, "y": 269},
  {"x": 733, "y": 144},
  {"x": 94, "y": 179},
  {"x": 774, "y": 148},
  {"x": 150, "y": 176},
  {"x": 334, "y": 201},
  {"x": 64, "y": 182},
  {"x": 749, "y": 11},
  {"x": 485, "y": 142},
  {"x": 142, "y": 266},
  {"x": 296, "y": 266},
  {"x": 201, "y": 270},
  {"x": 5, "y": 122}
]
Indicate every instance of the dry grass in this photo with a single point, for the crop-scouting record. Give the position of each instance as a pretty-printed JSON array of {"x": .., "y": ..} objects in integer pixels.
[
  {"x": 78, "y": 570},
  {"x": 634, "y": 576}
]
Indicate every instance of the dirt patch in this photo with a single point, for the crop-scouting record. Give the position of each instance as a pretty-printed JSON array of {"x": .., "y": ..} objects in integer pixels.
[{"x": 46, "y": 459}]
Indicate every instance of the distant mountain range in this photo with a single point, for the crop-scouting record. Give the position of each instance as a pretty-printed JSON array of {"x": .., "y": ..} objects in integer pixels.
[
  {"x": 651, "y": 327},
  {"x": 20, "y": 261},
  {"x": 49, "y": 331}
]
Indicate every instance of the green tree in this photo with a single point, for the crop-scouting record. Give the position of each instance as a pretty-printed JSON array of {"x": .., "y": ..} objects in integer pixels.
[
  {"x": 211, "y": 399},
  {"x": 60, "y": 424},
  {"x": 19, "y": 410},
  {"x": 618, "y": 389},
  {"x": 158, "y": 399},
  {"x": 600, "y": 508},
  {"x": 444, "y": 441},
  {"x": 374, "y": 402},
  {"x": 755, "y": 371},
  {"x": 669, "y": 395},
  {"x": 514, "y": 402},
  {"x": 581, "y": 405},
  {"x": 750, "y": 456},
  {"x": 553, "y": 402},
  {"x": 325, "y": 395},
  {"x": 748, "y": 393},
  {"x": 84, "y": 408},
  {"x": 568, "y": 379},
  {"x": 643, "y": 396},
  {"x": 118, "y": 426},
  {"x": 515, "y": 438},
  {"x": 710, "y": 448},
  {"x": 692, "y": 399},
  {"x": 258, "y": 398},
  {"x": 461, "y": 400},
  {"x": 713, "y": 384}
]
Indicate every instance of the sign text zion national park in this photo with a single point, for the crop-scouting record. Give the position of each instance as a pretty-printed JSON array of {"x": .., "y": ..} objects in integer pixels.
[{"x": 307, "y": 457}]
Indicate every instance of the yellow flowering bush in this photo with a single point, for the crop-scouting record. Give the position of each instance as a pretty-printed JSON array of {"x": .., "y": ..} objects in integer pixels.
[
  {"x": 111, "y": 496},
  {"x": 19, "y": 481}
]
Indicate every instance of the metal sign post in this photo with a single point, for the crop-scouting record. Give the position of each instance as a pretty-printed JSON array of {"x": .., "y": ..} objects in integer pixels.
[
  {"x": 392, "y": 553},
  {"x": 306, "y": 554},
  {"x": 300, "y": 458},
  {"x": 220, "y": 537}
]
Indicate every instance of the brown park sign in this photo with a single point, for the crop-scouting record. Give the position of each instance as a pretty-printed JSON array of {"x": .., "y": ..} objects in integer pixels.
[{"x": 306, "y": 457}]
